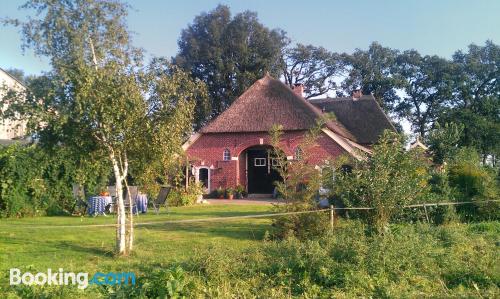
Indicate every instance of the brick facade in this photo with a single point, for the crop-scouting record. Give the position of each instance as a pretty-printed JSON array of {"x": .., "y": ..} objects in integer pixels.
[{"x": 208, "y": 150}]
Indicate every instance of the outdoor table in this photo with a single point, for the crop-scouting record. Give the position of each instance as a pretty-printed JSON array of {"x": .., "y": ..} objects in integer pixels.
[
  {"x": 141, "y": 203},
  {"x": 97, "y": 205}
]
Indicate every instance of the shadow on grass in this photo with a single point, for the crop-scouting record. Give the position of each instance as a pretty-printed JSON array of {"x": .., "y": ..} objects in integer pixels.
[
  {"x": 65, "y": 245},
  {"x": 239, "y": 231},
  {"x": 210, "y": 214}
]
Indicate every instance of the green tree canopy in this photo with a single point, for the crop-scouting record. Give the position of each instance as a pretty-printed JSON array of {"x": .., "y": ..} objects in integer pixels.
[
  {"x": 228, "y": 54},
  {"x": 314, "y": 67},
  {"x": 374, "y": 72},
  {"x": 427, "y": 82}
]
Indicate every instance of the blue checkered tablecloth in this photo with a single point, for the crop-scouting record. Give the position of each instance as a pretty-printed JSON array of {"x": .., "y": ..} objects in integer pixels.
[
  {"x": 141, "y": 203},
  {"x": 97, "y": 204}
]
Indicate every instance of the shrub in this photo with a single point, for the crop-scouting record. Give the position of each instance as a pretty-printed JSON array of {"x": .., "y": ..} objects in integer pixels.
[
  {"x": 299, "y": 186},
  {"x": 240, "y": 191},
  {"x": 414, "y": 261},
  {"x": 35, "y": 181},
  {"x": 387, "y": 181},
  {"x": 474, "y": 182},
  {"x": 185, "y": 197}
]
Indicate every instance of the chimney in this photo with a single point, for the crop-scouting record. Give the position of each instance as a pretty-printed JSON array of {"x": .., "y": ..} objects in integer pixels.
[
  {"x": 356, "y": 94},
  {"x": 298, "y": 88}
]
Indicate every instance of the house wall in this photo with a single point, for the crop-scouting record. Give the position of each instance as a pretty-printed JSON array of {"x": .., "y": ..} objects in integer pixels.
[
  {"x": 9, "y": 129},
  {"x": 208, "y": 151}
]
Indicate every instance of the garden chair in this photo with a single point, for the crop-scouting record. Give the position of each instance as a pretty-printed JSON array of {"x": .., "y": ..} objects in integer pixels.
[
  {"x": 161, "y": 199},
  {"x": 110, "y": 208},
  {"x": 133, "y": 194}
]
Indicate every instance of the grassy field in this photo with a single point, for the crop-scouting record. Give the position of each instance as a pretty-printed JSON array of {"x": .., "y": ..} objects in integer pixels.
[
  {"x": 229, "y": 259},
  {"x": 22, "y": 244}
]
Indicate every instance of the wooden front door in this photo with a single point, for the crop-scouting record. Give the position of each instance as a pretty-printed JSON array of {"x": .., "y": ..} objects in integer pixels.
[{"x": 261, "y": 175}]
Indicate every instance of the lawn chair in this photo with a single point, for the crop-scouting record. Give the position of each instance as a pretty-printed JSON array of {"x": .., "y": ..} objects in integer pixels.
[
  {"x": 133, "y": 194},
  {"x": 161, "y": 199},
  {"x": 112, "y": 191},
  {"x": 110, "y": 208}
]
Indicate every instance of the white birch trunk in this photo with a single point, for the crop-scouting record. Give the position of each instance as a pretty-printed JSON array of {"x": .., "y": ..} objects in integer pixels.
[
  {"x": 131, "y": 221},
  {"x": 120, "y": 211}
]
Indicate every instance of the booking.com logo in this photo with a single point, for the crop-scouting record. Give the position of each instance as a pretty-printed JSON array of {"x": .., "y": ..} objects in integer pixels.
[{"x": 70, "y": 278}]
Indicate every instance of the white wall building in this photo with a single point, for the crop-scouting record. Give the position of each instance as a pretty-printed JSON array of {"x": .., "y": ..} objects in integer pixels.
[{"x": 9, "y": 130}]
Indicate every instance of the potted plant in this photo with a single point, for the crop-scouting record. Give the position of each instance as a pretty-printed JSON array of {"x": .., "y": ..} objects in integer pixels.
[
  {"x": 220, "y": 193},
  {"x": 240, "y": 191},
  {"x": 230, "y": 193}
]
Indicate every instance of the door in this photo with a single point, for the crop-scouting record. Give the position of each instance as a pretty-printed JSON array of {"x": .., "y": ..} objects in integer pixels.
[
  {"x": 203, "y": 177},
  {"x": 261, "y": 175}
]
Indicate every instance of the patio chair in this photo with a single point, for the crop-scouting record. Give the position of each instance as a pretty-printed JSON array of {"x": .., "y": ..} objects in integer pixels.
[
  {"x": 112, "y": 191},
  {"x": 161, "y": 199},
  {"x": 133, "y": 194}
]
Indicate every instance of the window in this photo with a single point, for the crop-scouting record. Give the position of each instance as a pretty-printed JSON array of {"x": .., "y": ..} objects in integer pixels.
[
  {"x": 298, "y": 153},
  {"x": 259, "y": 162},
  {"x": 227, "y": 155}
]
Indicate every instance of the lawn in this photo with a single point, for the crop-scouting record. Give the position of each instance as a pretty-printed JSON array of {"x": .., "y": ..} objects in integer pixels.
[
  {"x": 228, "y": 259},
  {"x": 90, "y": 249}
]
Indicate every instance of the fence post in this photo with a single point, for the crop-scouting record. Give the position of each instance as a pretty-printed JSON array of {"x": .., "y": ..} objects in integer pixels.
[
  {"x": 426, "y": 215},
  {"x": 332, "y": 217}
]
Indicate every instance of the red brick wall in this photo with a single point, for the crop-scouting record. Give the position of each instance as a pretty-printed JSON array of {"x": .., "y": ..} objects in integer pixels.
[{"x": 208, "y": 151}]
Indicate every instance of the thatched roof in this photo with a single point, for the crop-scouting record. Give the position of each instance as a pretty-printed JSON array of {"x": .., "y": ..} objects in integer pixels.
[
  {"x": 363, "y": 117},
  {"x": 269, "y": 101}
]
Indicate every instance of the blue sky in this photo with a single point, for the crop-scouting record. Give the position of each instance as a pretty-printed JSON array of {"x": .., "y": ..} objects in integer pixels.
[{"x": 431, "y": 27}]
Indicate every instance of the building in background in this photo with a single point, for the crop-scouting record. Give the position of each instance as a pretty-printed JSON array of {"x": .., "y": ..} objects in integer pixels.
[
  {"x": 233, "y": 149},
  {"x": 10, "y": 131}
]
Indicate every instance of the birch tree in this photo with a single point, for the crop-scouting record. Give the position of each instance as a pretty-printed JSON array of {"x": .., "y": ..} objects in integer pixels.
[{"x": 94, "y": 99}]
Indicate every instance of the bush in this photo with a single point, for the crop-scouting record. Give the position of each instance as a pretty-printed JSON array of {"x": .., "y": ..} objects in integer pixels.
[
  {"x": 474, "y": 182},
  {"x": 181, "y": 197},
  {"x": 414, "y": 261},
  {"x": 299, "y": 185},
  {"x": 34, "y": 181},
  {"x": 302, "y": 226},
  {"x": 387, "y": 181}
]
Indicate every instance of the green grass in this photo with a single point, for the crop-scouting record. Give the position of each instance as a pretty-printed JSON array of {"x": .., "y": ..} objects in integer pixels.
[
  {"x": 90, "y": 249},
  {"x": 229, "y": 259}
]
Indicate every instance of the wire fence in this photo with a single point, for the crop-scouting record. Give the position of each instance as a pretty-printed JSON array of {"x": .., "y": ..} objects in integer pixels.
[{"x": 331, "y": 209}]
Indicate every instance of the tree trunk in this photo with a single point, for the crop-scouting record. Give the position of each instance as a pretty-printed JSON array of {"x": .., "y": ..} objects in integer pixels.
[
  {"x": 130, "y": 238},
  {"x": 121, "y": 217}
]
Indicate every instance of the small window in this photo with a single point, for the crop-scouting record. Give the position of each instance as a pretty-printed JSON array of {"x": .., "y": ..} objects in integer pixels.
[
  {"x": 259, "y": 162},
  {"x": 298, "y": 153},
  {"x": 227, "y": 155}
]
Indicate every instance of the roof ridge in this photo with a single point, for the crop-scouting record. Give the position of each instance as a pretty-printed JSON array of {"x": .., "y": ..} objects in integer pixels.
[
  {"x": 14, "y": 78},
  {"x": 270, "y": 90},
  {"x": 319, "y": 113}
]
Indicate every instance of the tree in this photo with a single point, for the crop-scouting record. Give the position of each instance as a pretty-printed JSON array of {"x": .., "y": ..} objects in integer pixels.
[
  {"x": 299, "y": 185},
  {"x": 428, "y": 84},
  {"x": 93, "y": 102},
  {"x": 477, "y": 98},
  {"x": 17, "y": 73},
  {"x": 173, "y": 97},
  {"x": 374, "y": 72},
  {"x": 228, "y": 54},
  {"x": 443, "y": 141},
  {"x": 314, "y": 67},
  {"x": 390, "y": 179}
]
